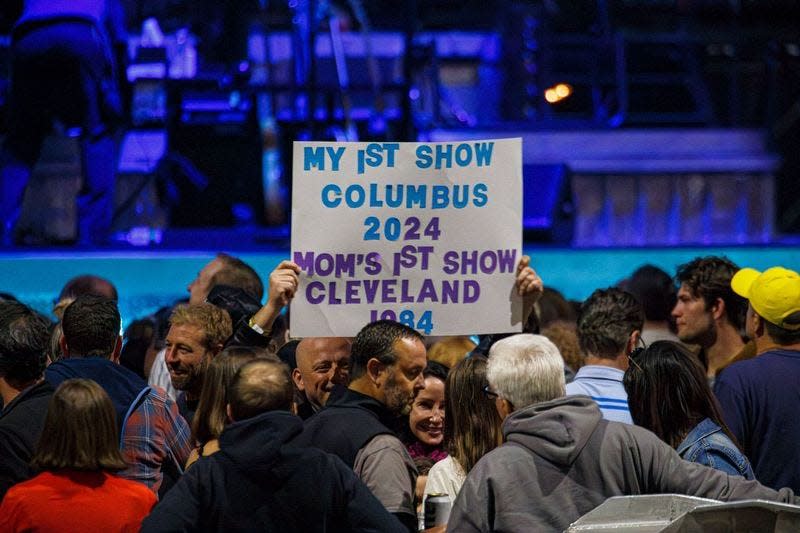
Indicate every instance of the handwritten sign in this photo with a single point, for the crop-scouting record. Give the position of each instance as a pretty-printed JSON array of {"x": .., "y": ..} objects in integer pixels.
[{"x": 428, "y": 234}]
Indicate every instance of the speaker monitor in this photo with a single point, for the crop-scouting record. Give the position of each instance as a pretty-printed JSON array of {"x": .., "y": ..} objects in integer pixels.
[{"x": 215, "y": 144}]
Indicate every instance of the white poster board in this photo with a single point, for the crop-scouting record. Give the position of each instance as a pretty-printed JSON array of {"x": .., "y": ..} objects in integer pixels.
[{"x": 428, "y": 234}]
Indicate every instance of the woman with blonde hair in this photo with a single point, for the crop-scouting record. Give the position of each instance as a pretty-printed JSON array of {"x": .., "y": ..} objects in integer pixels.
[
  {"x": 472, "y": 429},
  {"x": 78, "y": 454}
]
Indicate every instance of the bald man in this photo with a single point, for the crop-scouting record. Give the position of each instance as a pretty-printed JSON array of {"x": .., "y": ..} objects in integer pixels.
[
  {"x": 260, "y": 480},
  {"x": 322, "y": 362},
  {"x": 84, "y": 284}
]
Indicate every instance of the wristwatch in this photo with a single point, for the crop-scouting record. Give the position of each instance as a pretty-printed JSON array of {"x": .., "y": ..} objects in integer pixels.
[{"x": 258, "y": 329}]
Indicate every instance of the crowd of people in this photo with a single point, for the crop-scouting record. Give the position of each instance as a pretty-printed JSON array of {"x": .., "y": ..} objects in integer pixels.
[{"x": 210, "y": 416}]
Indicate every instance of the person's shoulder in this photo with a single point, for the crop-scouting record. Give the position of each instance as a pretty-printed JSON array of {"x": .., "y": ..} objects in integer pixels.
[
  {"x": 385, "y": 442},
  {"x": 506, "y": 454},
  {"x": 158, "y": 410},
  {"x": 315, "y": 458},
  {"x": 40, "y": 487},
  {"x": 316, "y": 428},
  {"x": 33, "y": 403},
  {"x": 385, "y": 451},
  {"x": 40, "y": 481},
  {"x": 158, "y": 400},
  {"x": 159, "y": 396},
  {"x": 746, "y": 371},
  {"x": 447, "y": 468},
  {"x": 132, "y": 489},
  {"x": 499, "y": 467},
  {"x": 315, "y": 465},
  {"x": 445, "y": 465},
  {"x": 575, "y": 387},
  {"x": 746, "y": 364},
  {"x": 320, "y": 417},
  {"x": 597, "y": 375},
  {"x": 628, "y": 434},
  {"x": 719, "y": 441}
]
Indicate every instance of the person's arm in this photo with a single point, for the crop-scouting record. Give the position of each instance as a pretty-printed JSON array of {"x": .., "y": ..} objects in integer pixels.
[
  {"x": 365, "y": 514},
  {"x": 382, "y": 467},
  {"x": 528, "y": 285},
  {"x": 719, "y": 460},
  {"x": 177, "y": 434},
  {"x": 672, "y": 475},
  {"x": 283, "y": 282},
  {"x": 255, "y": 330},
  {"x": 14, "y": 458},
  {"x": 471, "y": 508}
]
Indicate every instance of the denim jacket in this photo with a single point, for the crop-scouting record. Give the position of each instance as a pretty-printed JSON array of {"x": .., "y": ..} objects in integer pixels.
[{"x": 708, "y": 445}]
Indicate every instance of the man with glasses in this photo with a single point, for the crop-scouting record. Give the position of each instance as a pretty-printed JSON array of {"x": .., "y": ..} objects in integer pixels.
[
  {"x": 609, "y": 329},
  {"x": 560, "y": 458}
]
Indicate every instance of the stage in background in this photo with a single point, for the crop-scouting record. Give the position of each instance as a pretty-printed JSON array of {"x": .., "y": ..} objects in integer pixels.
[{"x": 645, "y": 123}]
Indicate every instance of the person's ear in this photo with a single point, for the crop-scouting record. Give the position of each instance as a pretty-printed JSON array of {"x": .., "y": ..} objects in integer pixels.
[
  {"x": 229, "y": 413},
  {"x": 117, "y": 349},
  {"x": 62, "y": 343},
  {"x": 633, "y": 341},
  {"x": 297, "y": 377},
  {"x": 718, "y": 309},
  {"x": 758, "y": 325},
  {"x": 375, "y": 371},
  {"x": 504, "y": 407}
]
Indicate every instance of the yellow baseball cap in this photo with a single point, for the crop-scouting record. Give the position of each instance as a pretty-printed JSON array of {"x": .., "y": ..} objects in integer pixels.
[{"x": 774, "y": 293}]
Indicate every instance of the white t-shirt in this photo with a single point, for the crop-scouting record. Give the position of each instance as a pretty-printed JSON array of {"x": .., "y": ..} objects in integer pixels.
[
  {"x": 159, "y": 375},
  {"x": 445, "y": 477}
]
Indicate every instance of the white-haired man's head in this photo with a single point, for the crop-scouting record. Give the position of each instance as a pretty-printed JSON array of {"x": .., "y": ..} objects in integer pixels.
[{"x": 526, "y": 369}]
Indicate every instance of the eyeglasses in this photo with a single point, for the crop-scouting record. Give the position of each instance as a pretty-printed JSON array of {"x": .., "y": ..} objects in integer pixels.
[
  {"x": 636, "y": 353},
  {"x": 490, "y": 393}
]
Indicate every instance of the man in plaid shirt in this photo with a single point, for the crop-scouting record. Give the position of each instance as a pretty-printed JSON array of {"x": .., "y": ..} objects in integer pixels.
[{"x": 154, "y": 438}]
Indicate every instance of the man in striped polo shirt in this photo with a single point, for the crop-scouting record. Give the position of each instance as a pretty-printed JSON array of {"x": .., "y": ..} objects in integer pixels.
[{"x": 609, "y": 328}]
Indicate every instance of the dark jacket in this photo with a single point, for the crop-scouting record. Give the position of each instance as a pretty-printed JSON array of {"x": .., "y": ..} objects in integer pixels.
[
  {"x": 240, "y": 306},
  {"x": 126, "y": 389},
  {"x": 561, "y": 460},
  {"x": 261, "y": 481},
  {"x": 21, "y": 423},
  {"x": 347, "y": 424},
  {"x": 244, "y": 335},
  {"x": 154, "y": 438},
  {"x": 348, "y": 421}
]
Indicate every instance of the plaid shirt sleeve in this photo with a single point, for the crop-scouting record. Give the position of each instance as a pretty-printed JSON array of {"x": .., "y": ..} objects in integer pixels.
[{"x": 154, "y": 434}]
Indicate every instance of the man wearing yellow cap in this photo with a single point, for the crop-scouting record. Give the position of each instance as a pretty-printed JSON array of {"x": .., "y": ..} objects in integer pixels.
[{"x": 759, "y": 397}]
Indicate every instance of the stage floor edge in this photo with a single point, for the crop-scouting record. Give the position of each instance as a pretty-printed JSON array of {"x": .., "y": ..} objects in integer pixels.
[{"x": 147, "y": 280}]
